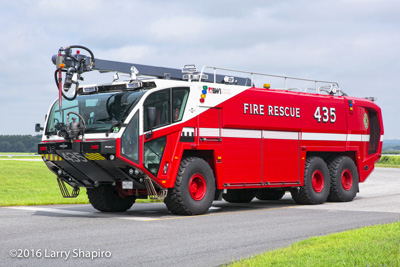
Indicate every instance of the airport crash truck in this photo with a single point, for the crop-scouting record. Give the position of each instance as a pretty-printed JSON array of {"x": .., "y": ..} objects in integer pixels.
[{"x": 191, "y": 137}]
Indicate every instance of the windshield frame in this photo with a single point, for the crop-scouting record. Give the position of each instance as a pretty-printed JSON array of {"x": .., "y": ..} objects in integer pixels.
[{"x": 101, "y": 111}]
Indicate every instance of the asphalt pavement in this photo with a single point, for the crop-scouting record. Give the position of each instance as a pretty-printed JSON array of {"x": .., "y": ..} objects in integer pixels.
[{"x": 148, "y": 235}]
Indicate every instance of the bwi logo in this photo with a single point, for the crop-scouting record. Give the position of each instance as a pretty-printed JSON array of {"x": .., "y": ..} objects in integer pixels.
[{"x": 212, "y": 90}]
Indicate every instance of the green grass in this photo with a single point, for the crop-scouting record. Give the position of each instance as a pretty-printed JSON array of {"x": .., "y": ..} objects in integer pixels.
[
  {"x": 31, "y": 183},
  {"x": 25, "y": 183},
  {"x": 377, "y": 245},
  {"x": 389, "y": 161}
]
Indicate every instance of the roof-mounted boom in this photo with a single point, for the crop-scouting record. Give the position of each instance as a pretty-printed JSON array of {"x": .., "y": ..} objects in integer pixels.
[{"x": 76, "y": 64}]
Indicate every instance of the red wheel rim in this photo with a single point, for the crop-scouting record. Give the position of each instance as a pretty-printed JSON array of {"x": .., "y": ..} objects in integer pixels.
[
  {"x": 197, "y": 187},
  {"x": 347, "y": 179},
  {"x": 317, "y": 181}
]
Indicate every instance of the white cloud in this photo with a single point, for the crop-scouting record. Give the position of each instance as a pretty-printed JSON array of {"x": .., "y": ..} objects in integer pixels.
[{"x": 349, "y": 41}]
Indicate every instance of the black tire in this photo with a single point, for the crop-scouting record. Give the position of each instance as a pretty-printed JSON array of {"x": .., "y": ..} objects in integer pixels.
[
  {"x": 194, "y": 188},
  {"x": 344, "y": 179},
  {"x": 105, "y": 198},
  {"x": 239, "y": 195},
  {"x": 316, "y": 183},
  {"x": 269, "y": 194}
]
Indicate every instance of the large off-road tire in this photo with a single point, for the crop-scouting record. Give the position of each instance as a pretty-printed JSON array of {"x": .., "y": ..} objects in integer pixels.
[
  {"x": 344, "y": 179},
  {"x": 194, "y": 188},
  {"x": 106, "y": 198},
  {"x": 269, "y": 194},
  {"x": 316, "y": 183},
  {"x": 239, "y": 195}
]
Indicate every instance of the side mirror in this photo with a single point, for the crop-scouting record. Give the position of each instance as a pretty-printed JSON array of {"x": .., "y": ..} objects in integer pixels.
[
  {"x": 151, "y": 117},
  {"x": 38, "y": 128}
]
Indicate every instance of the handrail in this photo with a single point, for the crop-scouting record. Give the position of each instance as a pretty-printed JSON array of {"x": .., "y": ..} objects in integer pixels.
[{"x": 332, "y": 85}]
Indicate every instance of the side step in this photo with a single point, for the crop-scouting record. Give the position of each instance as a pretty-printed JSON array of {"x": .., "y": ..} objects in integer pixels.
[
  {"x": 151, "y": 191},
  {"x": 64, "y": 190}
]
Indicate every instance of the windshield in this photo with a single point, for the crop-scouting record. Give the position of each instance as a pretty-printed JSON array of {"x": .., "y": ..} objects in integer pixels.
[{"x": 100, "y": 111}]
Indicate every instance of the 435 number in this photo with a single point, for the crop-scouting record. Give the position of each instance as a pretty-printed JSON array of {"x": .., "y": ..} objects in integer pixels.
[
  {"x": 324, "y": 114},
  {"x": 73, "y": 157}
]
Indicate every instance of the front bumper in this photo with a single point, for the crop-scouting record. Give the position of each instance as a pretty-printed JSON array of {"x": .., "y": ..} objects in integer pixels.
[{"x": 87, "y": 164}]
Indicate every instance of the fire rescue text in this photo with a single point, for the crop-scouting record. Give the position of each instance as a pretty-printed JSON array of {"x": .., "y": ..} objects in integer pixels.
[{"x": 255, "y": 109}]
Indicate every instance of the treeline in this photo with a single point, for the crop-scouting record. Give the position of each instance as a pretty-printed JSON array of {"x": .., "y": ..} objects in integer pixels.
[
  {"x": 391, "y": 145},
  {"x": 19, "y": 143}
]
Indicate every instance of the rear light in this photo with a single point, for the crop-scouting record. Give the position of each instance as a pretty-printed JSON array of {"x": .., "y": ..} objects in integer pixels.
[
  {"x": 43, "y": 148},
  {"x": 94, "y": 147}
]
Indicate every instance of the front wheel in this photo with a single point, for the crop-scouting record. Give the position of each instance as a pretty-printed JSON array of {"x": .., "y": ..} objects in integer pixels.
[
  {"x": 316, "y": 183},
  {"x": 106, "y": 198},
  {"x": 194, "y": 188}
]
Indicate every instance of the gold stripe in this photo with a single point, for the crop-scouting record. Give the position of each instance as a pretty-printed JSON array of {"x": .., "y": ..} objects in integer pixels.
[
  {"x": 52, "y": 157},
  {"x": 94, "y": 156}
]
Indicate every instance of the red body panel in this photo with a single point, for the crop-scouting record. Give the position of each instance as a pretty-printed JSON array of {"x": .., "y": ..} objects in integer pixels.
[{"x": 261, "y": 137}]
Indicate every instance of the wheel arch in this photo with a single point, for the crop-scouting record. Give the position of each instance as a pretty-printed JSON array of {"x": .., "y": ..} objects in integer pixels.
[{"x": 207, "y": 155}]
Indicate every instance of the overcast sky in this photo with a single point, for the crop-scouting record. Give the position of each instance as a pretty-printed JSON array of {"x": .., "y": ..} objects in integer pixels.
[{"x": 356, "y": 43}]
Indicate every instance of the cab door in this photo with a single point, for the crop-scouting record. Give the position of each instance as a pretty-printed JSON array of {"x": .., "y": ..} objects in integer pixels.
[
  {"x": 155, "y": 139},
  {"x": 159, "y": 142}
]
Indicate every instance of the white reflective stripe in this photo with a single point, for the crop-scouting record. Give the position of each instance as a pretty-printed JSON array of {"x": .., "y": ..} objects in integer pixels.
[
  {"x": 281, "y": 135},
  {"x": 358, "y": 137},
  {"x": 365, "y": 137},
  {"x": 209, "y": 132},
  {"x": 188, "y": 131},
  {"x": 89, "y": 136},
  {"x": 241, "y": 133},
  {"x": 381, "y": 138},
  {"x": 354, "y": 137},
  {"x": 324, "y": 137}
]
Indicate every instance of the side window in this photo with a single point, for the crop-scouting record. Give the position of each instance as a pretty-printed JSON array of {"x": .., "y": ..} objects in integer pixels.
[
  {"x": 179, "y": 99},
  {"x": 161, "y": 101},
  {"x": 130, "y": 140},
  {"x": 153, "y": 153}
]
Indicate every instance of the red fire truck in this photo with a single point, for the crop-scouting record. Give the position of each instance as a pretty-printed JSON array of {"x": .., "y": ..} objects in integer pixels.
[{"x": 191, "y": 137}]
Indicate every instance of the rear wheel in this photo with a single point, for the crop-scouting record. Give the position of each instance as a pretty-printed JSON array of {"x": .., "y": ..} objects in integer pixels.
[
  {"x": 194, "y": 188},
  {"x": 269, "y": 194},
  {"x": 344, "y": 179},
  {"x": 239, "y": 195},
  {"x": 106, "y": 198},
  {"x": 316, "y": 183}
]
